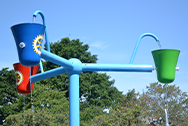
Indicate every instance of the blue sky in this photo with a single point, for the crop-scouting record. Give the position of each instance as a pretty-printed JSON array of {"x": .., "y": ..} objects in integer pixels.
[{"x": 111, "y": 28}]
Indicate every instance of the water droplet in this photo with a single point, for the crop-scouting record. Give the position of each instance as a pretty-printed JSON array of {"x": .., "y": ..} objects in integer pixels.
[{"x": 31, "y": 96}]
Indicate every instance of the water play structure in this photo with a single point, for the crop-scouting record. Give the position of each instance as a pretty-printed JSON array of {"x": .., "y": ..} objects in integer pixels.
[{"x": 28, "y": 38}]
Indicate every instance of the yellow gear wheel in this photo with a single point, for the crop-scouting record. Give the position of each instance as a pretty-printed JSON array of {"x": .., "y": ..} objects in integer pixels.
[
  {"x": 37, "y": 44},
  {"x": 19, "y": 77}
]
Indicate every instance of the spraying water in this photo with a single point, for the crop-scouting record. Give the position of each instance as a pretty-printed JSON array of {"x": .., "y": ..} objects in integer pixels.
[
  {"x": 159, "y": 44},
  {"x": 166, "y": 118},
  {"x": 31, "y": 96},
  {"x": 24, "y": 109},
  {"x": 33, "y": 20},
  {"x": 166, "y": 109}
]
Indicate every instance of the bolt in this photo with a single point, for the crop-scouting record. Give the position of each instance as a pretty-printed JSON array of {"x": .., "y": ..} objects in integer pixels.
[{"x": 22, "y": 45}]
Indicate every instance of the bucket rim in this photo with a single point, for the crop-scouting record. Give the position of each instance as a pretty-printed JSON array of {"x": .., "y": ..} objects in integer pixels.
[
  {"x": 16, "y": 63},
  {"x": 27, "y": 24},
  {"x": 165, "y": 50}
]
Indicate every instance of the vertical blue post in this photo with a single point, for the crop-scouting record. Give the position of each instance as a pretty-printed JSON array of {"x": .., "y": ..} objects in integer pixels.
[
  {"x": 74, "y": 102},
  {"x": 74, "y": 109}
]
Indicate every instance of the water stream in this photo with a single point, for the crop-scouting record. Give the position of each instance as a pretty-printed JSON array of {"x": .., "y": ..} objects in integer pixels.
[
  {"x": 33, "y": 20},
  {"x": 24, "y": 109},
  {"x": 31, "y": 96},
  {"x": 166, "y": 107},
  {"x": 159, "y": 44}
]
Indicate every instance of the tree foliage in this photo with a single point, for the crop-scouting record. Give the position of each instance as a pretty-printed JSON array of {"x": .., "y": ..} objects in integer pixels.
[
  {"x": 50, "y": 108},
  {"x": 154, "y": 103},
  {"x": 127, "y": 113},
  {"x": 8, "y": 94}
]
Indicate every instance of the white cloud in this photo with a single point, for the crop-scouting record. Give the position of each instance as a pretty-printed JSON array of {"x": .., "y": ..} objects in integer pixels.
[
  {"x": 85, "y": 38},
  {"x": 100, "y": 45}
]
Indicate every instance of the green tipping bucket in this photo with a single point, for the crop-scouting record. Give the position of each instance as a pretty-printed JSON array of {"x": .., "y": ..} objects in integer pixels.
[{"x": 165, "y": 62}]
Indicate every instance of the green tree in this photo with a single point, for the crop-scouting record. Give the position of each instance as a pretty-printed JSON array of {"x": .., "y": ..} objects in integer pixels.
[
  {"x": 127, "y": 113},
  {"x": 131, "y": 105},
  {"x": 51, "y": 107},
  {"x": 153, "y": 102},
  {"x": 8, "y": 94}
]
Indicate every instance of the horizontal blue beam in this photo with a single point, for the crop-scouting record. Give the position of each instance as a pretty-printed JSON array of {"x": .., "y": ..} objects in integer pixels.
[
  {"x": 56, "y": 59},
  {"x": 48, "y": 74},
  {"x": 117, "y": 67},
  {"x": 94, "y": 67}
]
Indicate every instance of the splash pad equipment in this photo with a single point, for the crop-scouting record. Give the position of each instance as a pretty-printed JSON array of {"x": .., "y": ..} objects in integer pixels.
[
  {"x": 73, "y": 67},
  {"x": 28, "y": 37},
  {"x": 22, "y": 74},
  {"x": 165, "y": 62}
]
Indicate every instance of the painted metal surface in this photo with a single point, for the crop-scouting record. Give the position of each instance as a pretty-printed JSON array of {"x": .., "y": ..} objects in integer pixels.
[
  {"x": 31, "y": 34},
  {"x": 48, "y": 74},
  {"x": 56, "y": 59},
  {"x": 74, "y": 107},
  {"x": 44, "y": 23},
  {"x": 117, "y": 67},
  {"x": 22, "y": 74},
  {"x": 46, "y": 34},
  {"x": 165, "y": 62},
  {"x": 138, "y": 42}
]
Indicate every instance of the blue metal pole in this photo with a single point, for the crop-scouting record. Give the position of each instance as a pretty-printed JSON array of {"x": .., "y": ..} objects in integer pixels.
[
  {"x": 138, "y": 42},
  {"x": 46, "y": 35},
  {"x": 48, "y": 74},
  {"x": 116, "y": 67},
  {"x": 56, "y": 59},
  {"x": 44, "y": 23},
  {"x": 74, "y": 108},
  {"x": 41, "y": 66}
]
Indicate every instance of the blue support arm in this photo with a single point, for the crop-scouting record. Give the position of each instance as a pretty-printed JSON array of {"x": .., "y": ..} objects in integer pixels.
[
  {"x": 44, "y": 23},
  {"x": 117, "y": 67},
  {"x": 46, "y": 35},
  {"x": 48, "y": 74},
  {"x": 56, "y": 59},
  {"x": 138, "y": 42}
]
